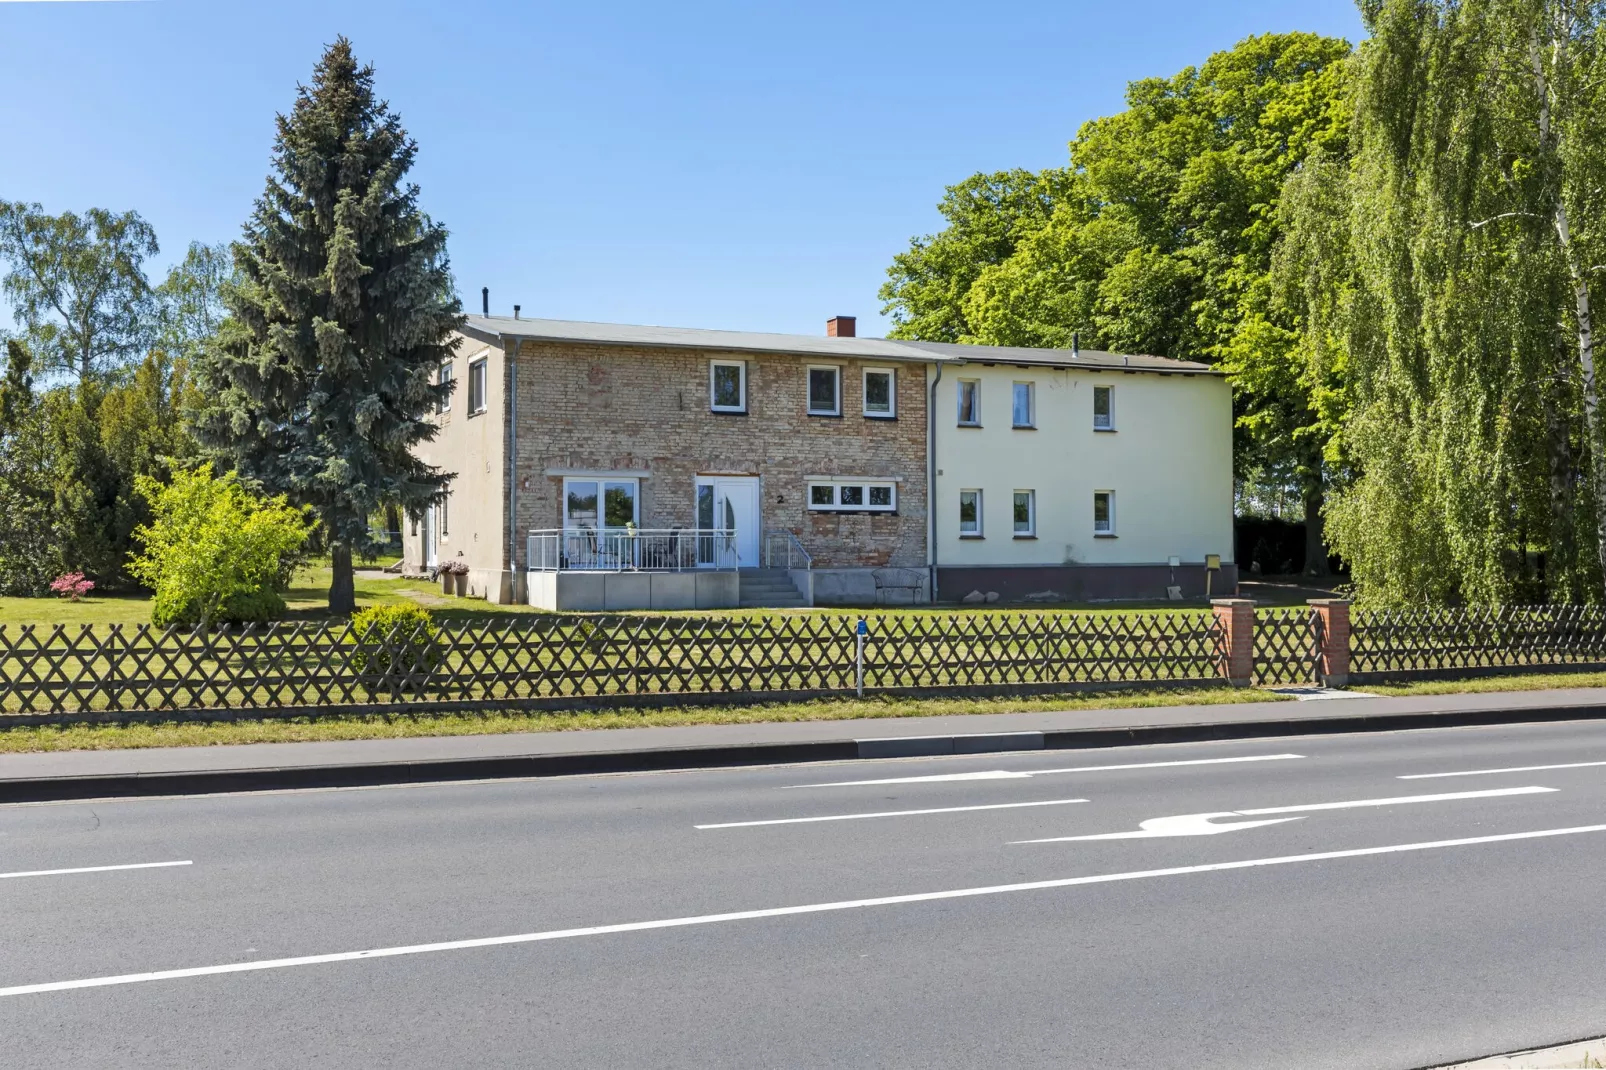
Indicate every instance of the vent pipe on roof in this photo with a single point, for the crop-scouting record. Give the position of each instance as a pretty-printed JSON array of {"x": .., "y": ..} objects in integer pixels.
[
  {"x": 485, "y": 300},
  {"x": 841, "y": 327},
  {"x": 516, "y": 311},
  {"x": 1076, "y": 343}
]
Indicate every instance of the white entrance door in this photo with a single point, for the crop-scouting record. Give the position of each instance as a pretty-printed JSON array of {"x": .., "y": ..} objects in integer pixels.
[
  {"x": 431, "y": 546},
  {"x": 729, "y": 504}
]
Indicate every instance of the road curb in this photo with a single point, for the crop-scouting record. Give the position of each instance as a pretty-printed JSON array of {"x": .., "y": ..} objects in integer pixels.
[{"x": 506, "y": 767}]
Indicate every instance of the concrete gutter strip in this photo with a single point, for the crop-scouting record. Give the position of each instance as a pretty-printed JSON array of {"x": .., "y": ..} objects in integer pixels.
[
  {"x": 1582, "y": 1053},
  {"x": 62, "y": 785}
]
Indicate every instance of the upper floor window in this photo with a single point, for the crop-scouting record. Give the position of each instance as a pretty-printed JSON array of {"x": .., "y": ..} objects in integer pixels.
[
  {"x": 1024, "y": 407},
  {"x": 1104, "y": 408},
  {"x": 969, "y": 403},
  {"x": 880, "y": 395},
  {"x": 476, "y": 386},
  {"x": 1104, "y": 512},
  {"x": 825, "y": 390},
  {"x": 853, "y": 496},
  {"x": 444, "y": 378},
  {"x": 727, "y": 385}
]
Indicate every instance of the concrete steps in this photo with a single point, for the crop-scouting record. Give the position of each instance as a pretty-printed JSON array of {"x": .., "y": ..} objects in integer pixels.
[{"x": 769, "y": 588}]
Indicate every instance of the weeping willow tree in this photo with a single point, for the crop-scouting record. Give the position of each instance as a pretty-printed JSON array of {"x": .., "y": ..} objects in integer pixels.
[{"x": 1449, "y": 267}]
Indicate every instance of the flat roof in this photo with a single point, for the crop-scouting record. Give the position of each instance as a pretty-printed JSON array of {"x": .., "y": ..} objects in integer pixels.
[{"x": 490, "y": 328}]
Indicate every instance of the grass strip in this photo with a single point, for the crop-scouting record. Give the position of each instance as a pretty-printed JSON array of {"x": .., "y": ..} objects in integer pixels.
[
  {"x": 1474, "y": 685},
  {"x": 399, "y": 726}
]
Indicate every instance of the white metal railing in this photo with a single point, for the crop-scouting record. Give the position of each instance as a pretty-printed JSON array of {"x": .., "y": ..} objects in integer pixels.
[
  {"x": 782, "y": 549},
  {"x": 632, "y": 550}
]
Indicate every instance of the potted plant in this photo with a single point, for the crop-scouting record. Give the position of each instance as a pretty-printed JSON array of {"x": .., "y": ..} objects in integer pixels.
[{"x": 454, "y": 577}]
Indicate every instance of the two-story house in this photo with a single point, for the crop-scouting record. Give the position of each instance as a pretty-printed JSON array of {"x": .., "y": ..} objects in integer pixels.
[
  {"x": 605, "y": 466},
  {"x": 1075, "y": 475}
]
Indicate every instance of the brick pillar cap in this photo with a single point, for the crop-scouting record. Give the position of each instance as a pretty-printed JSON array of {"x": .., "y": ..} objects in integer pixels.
[
  {"x": 1232, "y": 601},
  {"x": 1330, "y": 601}
]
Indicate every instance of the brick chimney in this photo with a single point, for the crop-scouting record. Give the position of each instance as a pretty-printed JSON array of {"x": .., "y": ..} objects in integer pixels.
[{"x": 840, "y": 327}]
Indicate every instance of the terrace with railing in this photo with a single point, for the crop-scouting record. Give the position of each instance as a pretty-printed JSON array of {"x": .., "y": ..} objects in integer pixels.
[{"x": 632, "y": 549}]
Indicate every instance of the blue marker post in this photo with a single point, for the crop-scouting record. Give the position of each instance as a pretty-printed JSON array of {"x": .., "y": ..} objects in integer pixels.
[{"x": 858, "y": 664}]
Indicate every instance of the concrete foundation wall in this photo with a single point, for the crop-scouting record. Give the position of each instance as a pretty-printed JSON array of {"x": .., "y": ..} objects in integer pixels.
[
  {"x": 1082, "y": 583},
  {"x": 856, "y": 587},
  {"x": 597, "y": 592}
]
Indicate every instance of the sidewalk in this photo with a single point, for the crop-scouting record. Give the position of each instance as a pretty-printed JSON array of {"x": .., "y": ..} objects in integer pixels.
[{"x": 266, "y": 766}]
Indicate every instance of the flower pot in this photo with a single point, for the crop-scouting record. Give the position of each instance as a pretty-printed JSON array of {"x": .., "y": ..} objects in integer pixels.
[
  {"x": 448, "y": 583},
  {"x": 462, "y": 584}
]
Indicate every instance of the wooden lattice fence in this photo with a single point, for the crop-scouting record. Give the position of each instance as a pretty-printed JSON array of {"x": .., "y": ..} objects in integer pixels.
[
  {"x": 1389, "y": 641},
  {"x": 550, "y": 659}
]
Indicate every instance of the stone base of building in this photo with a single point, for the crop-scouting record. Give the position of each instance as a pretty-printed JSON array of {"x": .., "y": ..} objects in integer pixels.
[
  {"x": 1048, "y": 584},
  {"x": 857, "y": 587},
  {"x": 594, "y": 592}
]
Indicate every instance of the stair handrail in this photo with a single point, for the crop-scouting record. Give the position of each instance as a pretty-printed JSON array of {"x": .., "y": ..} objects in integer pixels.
[{"x": 792, "y": 545}]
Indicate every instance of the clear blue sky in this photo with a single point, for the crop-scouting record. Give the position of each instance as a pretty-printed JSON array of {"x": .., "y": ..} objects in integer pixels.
[{"x": 731, "y": 165}]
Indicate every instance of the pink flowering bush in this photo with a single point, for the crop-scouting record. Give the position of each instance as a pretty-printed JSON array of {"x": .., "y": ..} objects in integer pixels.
[{"x": 72, "y": 586}]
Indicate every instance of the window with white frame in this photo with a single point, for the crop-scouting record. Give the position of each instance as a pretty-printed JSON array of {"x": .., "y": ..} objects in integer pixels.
[
  {"x": 852, "y": 496},
  {"x": 1104, "y": 512},
  {"x": 1104, "y": 408},
  {"x": 969, "y": 403},
  {"x": 970, "y": 514},
  {"x": 825, "y": 390},
  {"x": 444, "y": 378},
  {"x": 476, "y": 386},
  {"x": 1025, "y": 517},
  {"x": 880, "y": 393},
  {"x": 1024, "y": 406},
  {"x": 608, "y": 504},
  {"x": 727, "y": 385}
]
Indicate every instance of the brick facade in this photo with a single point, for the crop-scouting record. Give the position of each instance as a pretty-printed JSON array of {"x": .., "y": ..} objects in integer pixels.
[{"x": 611, "y": 408}]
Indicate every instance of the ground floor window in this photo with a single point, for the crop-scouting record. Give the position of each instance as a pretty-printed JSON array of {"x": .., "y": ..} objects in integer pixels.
[
  {"x": 853, "y": 496},
  {"x": 1025, "y": 514},
  {"x": 970, "y": 514},
  {"x": 1104, "y": 512},
  {"x": 604, "y": 503}
]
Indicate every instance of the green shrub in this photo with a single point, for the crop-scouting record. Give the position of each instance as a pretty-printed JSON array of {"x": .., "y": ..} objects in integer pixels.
[
  {"x": 252, "y": 607},
  {"x": 213, "y": 549},
  {"x": 394, "y": 643}
]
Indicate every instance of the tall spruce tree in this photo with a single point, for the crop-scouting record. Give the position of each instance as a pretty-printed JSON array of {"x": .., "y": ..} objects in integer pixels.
[{"x": 323, "y": 378}]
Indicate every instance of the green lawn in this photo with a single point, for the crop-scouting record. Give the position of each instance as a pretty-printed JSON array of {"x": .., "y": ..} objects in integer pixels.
[
  {"x": 307, "y": 600},
  {"x": 1514, "y": 682},
  {"x": 202, "y": 734}
]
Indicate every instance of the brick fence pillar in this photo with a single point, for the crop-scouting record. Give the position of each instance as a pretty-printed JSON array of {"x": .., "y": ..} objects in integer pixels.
[
  {"x": 1332, "y": 660},
  {"x": 1236, "y": 616}
]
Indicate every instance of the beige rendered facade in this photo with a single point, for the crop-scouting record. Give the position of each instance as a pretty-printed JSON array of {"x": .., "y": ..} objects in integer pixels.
[{"x": 1082, "y": 478}]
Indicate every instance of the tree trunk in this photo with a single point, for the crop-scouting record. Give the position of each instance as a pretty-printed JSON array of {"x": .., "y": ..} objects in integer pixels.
[
  {"x": 342, "y": 584},
  {"x": 1561, "y": 555},
  {"x": 1315, "y": 543}
]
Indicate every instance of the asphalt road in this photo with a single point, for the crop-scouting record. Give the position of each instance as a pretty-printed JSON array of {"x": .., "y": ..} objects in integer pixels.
[{"x": 929, "y": 939}]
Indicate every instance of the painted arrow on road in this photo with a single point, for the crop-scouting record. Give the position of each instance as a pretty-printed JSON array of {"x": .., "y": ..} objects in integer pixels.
[{"x": 1206, "y": 824}]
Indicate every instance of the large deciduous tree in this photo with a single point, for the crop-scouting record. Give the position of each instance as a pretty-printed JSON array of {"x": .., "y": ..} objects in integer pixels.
[
  {"x": 77, "y": 284},
  {"x": 323, "y": 378},
  {"x": 1158, "y": 238},
  {"x": 1476, "y": 237}
]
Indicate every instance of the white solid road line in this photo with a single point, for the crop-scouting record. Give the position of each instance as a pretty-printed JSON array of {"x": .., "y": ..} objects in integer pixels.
[
  {"x": 1001, "y": 774},
  {"x": 92, "y": 869},
  {"x": 775, "y": 912},
  {"x": 1512, "y": 769},
  {"x": 1203, "y": 824},
  {"x": 887, "y": 813}
]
